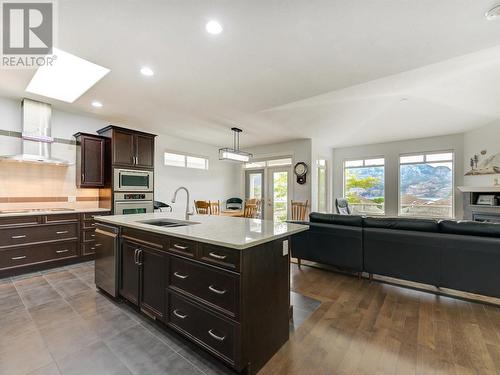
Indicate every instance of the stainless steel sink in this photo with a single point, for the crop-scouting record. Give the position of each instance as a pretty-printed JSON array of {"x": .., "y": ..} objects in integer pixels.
[{"x": 169, "y": 223}]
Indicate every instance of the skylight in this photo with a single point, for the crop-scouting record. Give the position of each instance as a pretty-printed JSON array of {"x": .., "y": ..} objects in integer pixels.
[{"x": 67, "y": 79}]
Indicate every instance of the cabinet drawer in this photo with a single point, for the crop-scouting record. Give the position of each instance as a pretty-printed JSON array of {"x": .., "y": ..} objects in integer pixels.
[
  {"x": 220, "y": 256},
  {"x": 153, "y": 240},
  {"x": 88, "y": 235},
  {"x": 61, "y": 218},
  {"x": 213, "y": 286},
  {"x": 182, "y": 247},
  {"x": 89, "y": 247},
  {"x": 217, "y": 334},
  {"x": 19, "y": 220},
  {"x": 28, "y": 255},
  {"x": 40, "y": 233}
]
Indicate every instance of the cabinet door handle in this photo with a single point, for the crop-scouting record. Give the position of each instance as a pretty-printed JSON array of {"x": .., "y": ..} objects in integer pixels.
[
  {"x": 18, "y": 258},
  {"x": 180, "y": 315},
  {"x": 178, "y": 275},
  {"x": 135, "y": 256},
  {"x": 217, "y": 337},
  {"x": 139, "y": 257},
  {"x": 180, "y": 247},
  {"x": 18, "y": 237},
  {"x": 216, "y": 291},
  {"x": 83, "y": 177},
  {"x": 217, "y": 256},
  {"x": 62, "y": 232},
  {"x": 62, "y": 251}
]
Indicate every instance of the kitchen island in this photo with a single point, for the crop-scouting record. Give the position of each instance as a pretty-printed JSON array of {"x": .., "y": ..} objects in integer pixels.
[{"x": 221, "y": 282}]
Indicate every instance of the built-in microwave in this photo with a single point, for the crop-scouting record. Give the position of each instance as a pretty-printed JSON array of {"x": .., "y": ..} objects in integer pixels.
[{"x": 133, "y": 180}]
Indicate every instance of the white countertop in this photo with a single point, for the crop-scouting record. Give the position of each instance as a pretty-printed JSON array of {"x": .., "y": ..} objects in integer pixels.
[
  {"x": 51, "y": 212},
  {"x": 479, "y": 189},
  {"x": 232, "y": 232}
]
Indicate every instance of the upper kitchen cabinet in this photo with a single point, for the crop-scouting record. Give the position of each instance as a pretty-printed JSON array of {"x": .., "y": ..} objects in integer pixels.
[
  {"x": 130, "y": 148},
  {"x": 91, "y": 160}
]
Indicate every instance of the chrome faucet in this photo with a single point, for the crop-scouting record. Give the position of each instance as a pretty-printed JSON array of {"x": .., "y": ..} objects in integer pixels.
[{"x": 187, "y": 200}]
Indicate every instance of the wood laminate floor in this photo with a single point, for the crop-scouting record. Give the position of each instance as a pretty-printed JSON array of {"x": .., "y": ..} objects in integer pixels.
[{"x": 365, "y": 327}]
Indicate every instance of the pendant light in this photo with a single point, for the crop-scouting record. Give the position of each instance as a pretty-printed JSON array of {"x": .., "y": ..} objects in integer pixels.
[{"x": 235, "y": 154}]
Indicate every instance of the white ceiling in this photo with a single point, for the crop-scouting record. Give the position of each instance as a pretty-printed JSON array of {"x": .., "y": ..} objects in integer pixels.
[{"x": 286, "y": 69}]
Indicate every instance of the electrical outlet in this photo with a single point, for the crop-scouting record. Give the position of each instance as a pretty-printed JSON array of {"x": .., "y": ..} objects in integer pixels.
[
  {"x": 71, "y": 199},
  {"x": 285, "y": 248}
]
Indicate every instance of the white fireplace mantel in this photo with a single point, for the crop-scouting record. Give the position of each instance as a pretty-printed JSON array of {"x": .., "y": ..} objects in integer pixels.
[{"x": 479, "y": 189}]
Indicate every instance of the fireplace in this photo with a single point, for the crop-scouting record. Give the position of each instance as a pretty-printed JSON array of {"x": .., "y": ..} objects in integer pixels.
[{"x": 486, "y": 217}]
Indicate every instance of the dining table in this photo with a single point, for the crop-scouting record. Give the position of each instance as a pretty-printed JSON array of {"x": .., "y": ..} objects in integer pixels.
[{"x": 233, "y": 213}]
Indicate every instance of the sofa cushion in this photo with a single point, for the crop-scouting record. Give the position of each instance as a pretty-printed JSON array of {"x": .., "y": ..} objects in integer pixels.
[
  {"x": 352, "y": 220},
  {"x": 470, "y": 228},
  {"x": 418, "y": 225}
]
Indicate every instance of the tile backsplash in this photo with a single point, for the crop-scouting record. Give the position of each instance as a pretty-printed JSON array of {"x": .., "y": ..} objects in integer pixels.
[{"x": 24, "y": 185}]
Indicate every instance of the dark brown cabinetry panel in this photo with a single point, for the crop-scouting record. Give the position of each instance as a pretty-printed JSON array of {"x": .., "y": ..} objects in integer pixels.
[
  {"x": 152, "y": 265},
  {"x": 129, "y": 275},
  {"x": 211, "y": 331},
  {"x": 91, "y": 160},
  {"x": 145, "y": 151},
  {"x": 130, "y": 148},
  {"x": 123, "y": 148},
  {"x": 218, "y": 288}
]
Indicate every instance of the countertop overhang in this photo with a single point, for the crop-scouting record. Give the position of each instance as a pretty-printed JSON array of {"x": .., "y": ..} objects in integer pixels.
[{"x": 232, "y": 232}]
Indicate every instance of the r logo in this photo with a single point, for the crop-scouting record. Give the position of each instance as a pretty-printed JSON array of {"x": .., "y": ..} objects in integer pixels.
[{"x": 27, "y": 28}]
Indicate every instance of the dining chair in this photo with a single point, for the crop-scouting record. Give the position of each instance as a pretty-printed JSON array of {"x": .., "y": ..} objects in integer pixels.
[
  {"x": 250, "y": 211},
  {"x": 202, "y": 207},
  {"x": 214, "y": 208},
  {"x": 299, "y": 210},
  {"x": 234, "y": 204}
]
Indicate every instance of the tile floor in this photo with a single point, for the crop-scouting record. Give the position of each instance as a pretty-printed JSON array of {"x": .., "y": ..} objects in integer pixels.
[{"x": 56, "y": 322}]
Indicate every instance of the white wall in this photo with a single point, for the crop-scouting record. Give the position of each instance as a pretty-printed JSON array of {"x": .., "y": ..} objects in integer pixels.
[
  {"x": 220, "y": 182},
  {"x": 484, "y": 138},
  {"x": 321, "y": 150},
  {"x": 300, "y": 151},
  {"x": 391, "y": 151}
]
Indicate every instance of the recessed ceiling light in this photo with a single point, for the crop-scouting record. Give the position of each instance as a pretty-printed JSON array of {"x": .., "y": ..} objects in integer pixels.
[
  {"x": 213, "y": 27},
  {"x": 493, "y": 13},
  {"x": 97, "y": 104},
  {"x": 403, "y": 99},
  {"x": 146, "y": 71},
  {"x": 67, "y": 79}
]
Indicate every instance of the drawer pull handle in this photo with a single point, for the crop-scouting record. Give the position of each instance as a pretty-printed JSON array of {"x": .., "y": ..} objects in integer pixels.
[
  {"x": 62, "y": 251},
  {"x": 19, "y": 258},
  {"x": 178, "y": 275},
  {"x": 62, "y": 232},
  {"x": 179, "y": 315},
  {"x": 217, "y": 256},
  {"x": 18, "y": 237},
  {"x": 92, "y": 235},
  {"x": 216, "y": 291},
  {"x": 98, "y": 244},
  {"x": 92, "y": 225},
  {"x": 217, "y": 337},
  {"x": 180, "y": 247}
]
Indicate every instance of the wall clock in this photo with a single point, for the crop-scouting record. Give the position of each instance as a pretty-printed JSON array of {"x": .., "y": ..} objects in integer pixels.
[{"x": 300, "y": 170}]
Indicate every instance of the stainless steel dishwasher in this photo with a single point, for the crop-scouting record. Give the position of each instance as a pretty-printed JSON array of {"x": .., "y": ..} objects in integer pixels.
[{"x": 106, "y": 258}]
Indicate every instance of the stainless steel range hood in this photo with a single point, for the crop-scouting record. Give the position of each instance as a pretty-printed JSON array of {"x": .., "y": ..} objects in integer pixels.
[{"x": 36, "y": 135}]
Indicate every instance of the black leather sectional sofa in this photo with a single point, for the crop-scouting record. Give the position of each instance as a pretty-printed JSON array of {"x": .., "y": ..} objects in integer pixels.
[{"x": 451, "y": 254}]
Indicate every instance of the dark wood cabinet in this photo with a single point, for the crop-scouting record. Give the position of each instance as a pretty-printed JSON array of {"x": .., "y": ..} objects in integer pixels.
[
  {"x": 152, "y": 281},
  {"x": 130, "y": 148},
  {"x": 32, "y": 243},
  {"x": 129, "y": 275},
  {"x": 91, "y": 160},
  {"x": 145, "y": 151},
  {"x": 142, "y": 280},
  {"x": 234, "y": 304}
]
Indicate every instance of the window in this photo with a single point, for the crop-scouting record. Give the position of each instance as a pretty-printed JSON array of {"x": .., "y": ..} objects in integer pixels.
[
  {"x": 268, "y": 163},
  {"x": 364, "y": 185},
  {"x": 185, "y": 161},
  {"x": 322, "y": 185},
  {"x": 426, "y": 185}
]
